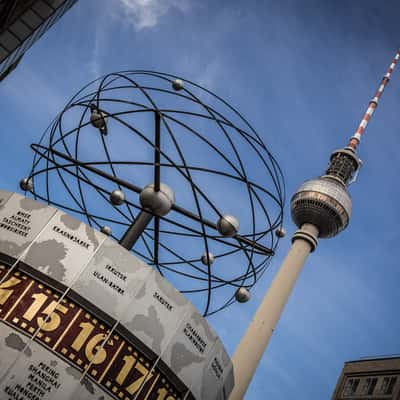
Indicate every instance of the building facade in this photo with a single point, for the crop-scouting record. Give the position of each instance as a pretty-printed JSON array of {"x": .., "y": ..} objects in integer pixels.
[
  {"x": 22, "y": 22},
  {"x": 371, "y": 378}
]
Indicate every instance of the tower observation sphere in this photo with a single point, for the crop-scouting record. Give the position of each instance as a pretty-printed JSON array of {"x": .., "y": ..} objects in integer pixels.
[{"x": 324, "y": 203}]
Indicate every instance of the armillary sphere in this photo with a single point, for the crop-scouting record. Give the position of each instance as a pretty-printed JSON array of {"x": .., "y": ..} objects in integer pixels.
[{"x": 172, "y": 172}]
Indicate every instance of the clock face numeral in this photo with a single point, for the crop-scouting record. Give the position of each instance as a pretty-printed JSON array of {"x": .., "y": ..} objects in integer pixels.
[
  {"x": 53, "y": 319},
  {"x": 131, "y": 362},
  {"x": 87, "y": 329},
  {"x": 39, "y": 300},
  {"x": 80, "y": 338},
  {"x": 94, "y": 352},
  {"x": 7, "y": 288}
]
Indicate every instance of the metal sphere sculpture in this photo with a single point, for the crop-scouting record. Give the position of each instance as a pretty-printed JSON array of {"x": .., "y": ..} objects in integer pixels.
[{"x": 142, "y": 147}]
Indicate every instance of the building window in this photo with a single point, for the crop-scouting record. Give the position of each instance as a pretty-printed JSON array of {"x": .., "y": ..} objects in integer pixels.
[
  {"x": 31, "y": 19},
  {"x": 388, "y": 384},
  {"x": 350, "y": 386},
  {"x": 43, "y": 9},
  {"x": 9, "y": 41},
  {"x": 368, "y": 385},
  {"x": 20, "y": 30}
]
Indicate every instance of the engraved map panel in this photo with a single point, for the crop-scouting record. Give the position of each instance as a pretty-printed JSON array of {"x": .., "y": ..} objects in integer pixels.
[
  {"x": 112, "y": 279},
  {"x": 21, "y": 220},
  {"x": 156, "y": 312},
  {"x": 63, "y": 248},
  {"x": 218, "y": 372},
  {"x": 190, "y": 349}
]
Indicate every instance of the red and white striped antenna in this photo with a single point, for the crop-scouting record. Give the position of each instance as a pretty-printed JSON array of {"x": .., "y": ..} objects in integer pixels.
[{"x": 355, "y": 139}]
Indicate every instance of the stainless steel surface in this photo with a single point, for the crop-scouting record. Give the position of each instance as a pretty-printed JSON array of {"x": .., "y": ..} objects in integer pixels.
[
  {"x": 158, "y": 202},
  {"x": 242, "y": 295},
  {"x": 228, "y": 225},
  {"x": 323, "y": 202},
  {"x": 117, "y": 197}
]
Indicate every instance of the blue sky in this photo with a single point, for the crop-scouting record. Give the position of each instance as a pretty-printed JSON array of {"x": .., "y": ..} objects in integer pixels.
[{"x": 302, "y": 73}]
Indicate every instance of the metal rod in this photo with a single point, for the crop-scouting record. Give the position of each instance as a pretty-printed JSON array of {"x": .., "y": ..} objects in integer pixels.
[
  {"x": 134, "y": 232},
  {"x": 157, "y": 178},
  {"x": 157, "y": 153},
  {"x": 136, "y": 229},
  {"x": 257, "y": 246},
  {"x": 156, "y": 239}
]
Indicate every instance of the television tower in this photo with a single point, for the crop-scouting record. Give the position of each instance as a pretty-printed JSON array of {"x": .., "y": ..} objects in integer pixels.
[{"x": 321, "y": 208}]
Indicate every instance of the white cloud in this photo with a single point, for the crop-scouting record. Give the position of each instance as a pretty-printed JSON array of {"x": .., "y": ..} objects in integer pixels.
[
  {"x": 209, "y": 76},
  {"x": 94, "y": 63},
  {"x": 146, "y": 13}
]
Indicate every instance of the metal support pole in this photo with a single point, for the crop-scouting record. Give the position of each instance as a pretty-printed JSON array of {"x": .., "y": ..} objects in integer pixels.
[
  {"x": 255, "y": 340},
  {"x": 135, "y": 230},
  {"x": 157, "y": 182},
  {"x": 157, "y": 146}
]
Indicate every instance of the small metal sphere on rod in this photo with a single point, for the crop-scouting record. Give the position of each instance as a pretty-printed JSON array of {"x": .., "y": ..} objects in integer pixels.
[
  {"x": 242, "y": 295},
  {"x": 117, "y": 197},
  {"x": 106, "y": 230},
  {"x": 207, "y": 258},
  {"x": 177, "y": 84},
  {"x": 98, "y": 119},
  {"x": 26, "y": 184},
  {"x": 280, "y": 232}
]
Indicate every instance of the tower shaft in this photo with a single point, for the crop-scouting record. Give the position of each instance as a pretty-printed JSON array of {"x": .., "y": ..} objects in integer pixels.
[{"x": 259, "y": 332}]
